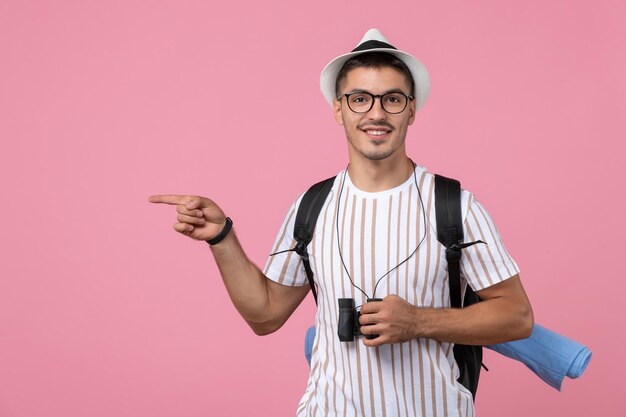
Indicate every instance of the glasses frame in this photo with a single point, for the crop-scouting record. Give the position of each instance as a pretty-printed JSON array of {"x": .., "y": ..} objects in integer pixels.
[{"x": 374, "y": 97}]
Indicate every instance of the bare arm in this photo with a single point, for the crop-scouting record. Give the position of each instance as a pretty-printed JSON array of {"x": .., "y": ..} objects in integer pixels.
[
  {"x": 504, "y": 314},
  {"x": 264, "y": 304}
]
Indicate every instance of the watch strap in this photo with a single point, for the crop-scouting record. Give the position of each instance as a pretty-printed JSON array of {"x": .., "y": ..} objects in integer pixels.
[{"x": 222, "y": 235}]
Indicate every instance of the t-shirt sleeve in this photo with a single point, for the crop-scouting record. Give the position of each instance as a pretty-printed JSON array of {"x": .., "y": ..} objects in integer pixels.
[
  {"x": 284, "y": 266},
  {"x": 483, "y": 265}
]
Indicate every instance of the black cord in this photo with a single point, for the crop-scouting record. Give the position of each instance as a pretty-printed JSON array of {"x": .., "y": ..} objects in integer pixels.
[
  {"x": 282, "y": 251},
  {"x": 343, "y": 180},
  {"x": 401, "y": 263},
  {"x": 421, "y": 240}
]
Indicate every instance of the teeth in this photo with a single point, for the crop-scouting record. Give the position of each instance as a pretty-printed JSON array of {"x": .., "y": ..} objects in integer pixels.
[{"x": 377, "y": 132}]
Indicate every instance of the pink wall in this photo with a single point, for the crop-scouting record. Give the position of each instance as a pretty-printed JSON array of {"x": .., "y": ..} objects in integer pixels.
[{"x": 106, "y": 311}]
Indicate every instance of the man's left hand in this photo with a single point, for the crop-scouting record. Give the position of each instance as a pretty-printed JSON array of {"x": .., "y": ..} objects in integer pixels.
[{"x": 392, "y": 319}]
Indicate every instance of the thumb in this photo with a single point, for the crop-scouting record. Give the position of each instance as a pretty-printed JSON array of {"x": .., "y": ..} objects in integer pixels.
[{"x": 197, "y": 202}]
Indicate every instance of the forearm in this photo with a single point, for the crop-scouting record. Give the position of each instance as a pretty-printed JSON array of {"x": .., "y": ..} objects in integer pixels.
[
  {"x": 489, "y": 322},
  {"x": 244, "y": 281},
  {"x": 504, "y": 314}
]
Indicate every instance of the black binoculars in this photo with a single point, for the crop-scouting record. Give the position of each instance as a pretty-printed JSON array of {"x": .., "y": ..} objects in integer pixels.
[{"x": 349, "y": 325}]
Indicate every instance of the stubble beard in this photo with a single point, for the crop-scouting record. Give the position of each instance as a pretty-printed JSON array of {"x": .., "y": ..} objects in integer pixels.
[
  {"x": 380, "y": 151},
  {"x": 377, "y": 155}
]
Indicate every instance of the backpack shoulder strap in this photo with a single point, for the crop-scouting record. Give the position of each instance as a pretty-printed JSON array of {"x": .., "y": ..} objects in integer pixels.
[
  {"x": 450, "y": 230},
  {"x": 450, "y": 235},
  {"x": 306, "y": 218}
]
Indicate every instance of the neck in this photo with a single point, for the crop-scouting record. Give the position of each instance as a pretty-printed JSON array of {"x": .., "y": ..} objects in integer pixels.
[{"x": 373, "y": 176}]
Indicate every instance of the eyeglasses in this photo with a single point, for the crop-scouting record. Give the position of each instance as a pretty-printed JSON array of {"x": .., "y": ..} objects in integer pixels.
[{"x": 362, "y": 102}]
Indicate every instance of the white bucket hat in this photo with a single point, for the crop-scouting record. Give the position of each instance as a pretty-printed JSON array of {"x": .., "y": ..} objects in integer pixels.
[{"x": 374, "y": 41}]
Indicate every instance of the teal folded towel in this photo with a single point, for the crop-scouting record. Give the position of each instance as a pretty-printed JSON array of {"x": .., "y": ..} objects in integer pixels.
[{"x": 549, "y": 355}]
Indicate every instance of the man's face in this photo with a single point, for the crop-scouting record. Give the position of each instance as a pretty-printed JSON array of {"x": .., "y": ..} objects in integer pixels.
[{"x": 375, "y": 135}]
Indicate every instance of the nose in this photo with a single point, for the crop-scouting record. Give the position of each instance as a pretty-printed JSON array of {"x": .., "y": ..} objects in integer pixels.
[{"x": 377, "y": 112}]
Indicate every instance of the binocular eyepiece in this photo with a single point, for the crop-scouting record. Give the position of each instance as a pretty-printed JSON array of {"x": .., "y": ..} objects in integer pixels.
[{"x": 349, "y": 326}]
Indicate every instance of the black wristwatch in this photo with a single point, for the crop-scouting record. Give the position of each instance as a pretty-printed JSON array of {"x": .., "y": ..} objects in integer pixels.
[{"x": 217, "y": 239}]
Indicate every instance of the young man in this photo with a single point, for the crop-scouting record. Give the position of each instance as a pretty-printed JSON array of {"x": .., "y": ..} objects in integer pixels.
[{"x": 375, "y": 238}]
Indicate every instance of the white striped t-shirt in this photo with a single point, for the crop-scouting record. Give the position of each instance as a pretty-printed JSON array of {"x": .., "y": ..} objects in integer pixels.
[{"x": 377, "y": 231}]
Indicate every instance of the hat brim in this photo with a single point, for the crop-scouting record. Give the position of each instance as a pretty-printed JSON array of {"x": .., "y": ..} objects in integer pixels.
[{"x": 418, "y": 71}]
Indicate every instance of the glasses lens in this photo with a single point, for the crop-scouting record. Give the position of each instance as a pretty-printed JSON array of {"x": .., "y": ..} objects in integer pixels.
[
  {"x": 393, "y": 102},
  {"x": 360, "y": 102}
]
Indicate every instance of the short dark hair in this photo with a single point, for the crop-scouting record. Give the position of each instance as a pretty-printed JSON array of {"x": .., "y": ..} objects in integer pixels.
[{"x": 374, "y": 60}]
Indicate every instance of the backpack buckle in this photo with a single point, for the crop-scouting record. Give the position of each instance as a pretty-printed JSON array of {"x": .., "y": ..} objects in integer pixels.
[
  {"x": 300, "y": 249},
  {"x": 453, "y": 252}
]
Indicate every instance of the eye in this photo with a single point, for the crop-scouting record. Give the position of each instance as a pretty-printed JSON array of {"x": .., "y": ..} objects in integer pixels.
[
  {"x": 359, "y": 98},
  {"x": 393, "y": 98}
]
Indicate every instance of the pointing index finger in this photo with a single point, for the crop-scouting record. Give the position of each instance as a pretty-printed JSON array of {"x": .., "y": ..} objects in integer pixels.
[{"x": 169, "y": 199}]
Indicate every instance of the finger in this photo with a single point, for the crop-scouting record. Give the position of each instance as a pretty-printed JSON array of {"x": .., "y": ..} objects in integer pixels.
[
  {"x": 374, "y": 342},
  {"x": 182, "y": 209},
  {"x": 367, "y": 319},
  {"x": 379, "y": 341},
  {"x": 371, "y": 307},
  {"x": 372, "y": 329},
  {"x": 182, "y": 218},
  {"x": 195, "y": 202},
  {"x": 183, "y": 228},
  {"x": 169, "y": 199}
]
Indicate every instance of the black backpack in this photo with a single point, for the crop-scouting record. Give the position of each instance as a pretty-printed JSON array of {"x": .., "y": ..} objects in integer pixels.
[{"x": 449, "y": 234}]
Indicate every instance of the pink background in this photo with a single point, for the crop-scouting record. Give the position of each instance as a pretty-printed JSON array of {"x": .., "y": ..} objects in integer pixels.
[{"x": 106, "y": 311}]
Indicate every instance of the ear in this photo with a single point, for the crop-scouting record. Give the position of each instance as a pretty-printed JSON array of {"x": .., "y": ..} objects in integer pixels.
[
  {"x": 412, "y": 111},
  {"x": 337, "y": 112}
]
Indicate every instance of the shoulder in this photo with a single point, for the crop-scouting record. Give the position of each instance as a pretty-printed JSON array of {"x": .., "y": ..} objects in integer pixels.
[
  {"x": 320, "y": 189},
  {"x": 428, "y": 181},
  {"x": 318, "y": 192}
]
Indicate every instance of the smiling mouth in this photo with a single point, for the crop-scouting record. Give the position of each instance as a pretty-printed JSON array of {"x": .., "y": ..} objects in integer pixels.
[{"x": 376, "y": 132}]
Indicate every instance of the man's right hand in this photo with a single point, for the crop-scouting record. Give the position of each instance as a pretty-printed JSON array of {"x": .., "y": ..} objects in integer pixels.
[{"x": 198, "y": 217}]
